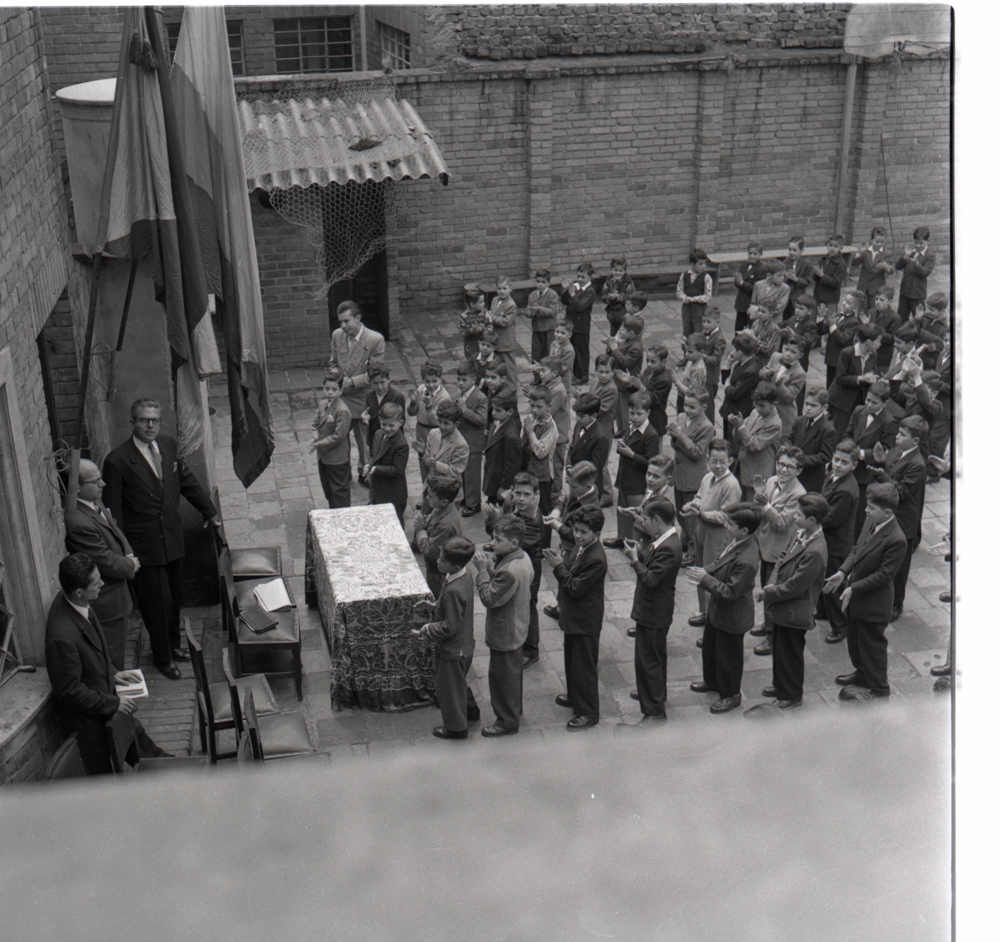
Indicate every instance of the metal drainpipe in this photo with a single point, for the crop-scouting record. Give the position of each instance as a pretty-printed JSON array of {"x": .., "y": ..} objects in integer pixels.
[{"x": 364, "y": 38}]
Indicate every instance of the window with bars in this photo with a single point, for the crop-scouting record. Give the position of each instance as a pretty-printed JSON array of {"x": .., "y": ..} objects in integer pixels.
[
  {"x": 314, "y": 44},
  {"x": 234, "y": 33},
  {"x": 395, "y": 46}
]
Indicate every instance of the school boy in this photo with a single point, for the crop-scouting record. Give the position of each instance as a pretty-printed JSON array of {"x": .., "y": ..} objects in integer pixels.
[
  {"x": 626, "y": 351},
  {"x": 387, "y": 457},
  {"x": 331, "y": 441},
  {"x": 439, "y": 523},
  {"x": 887, "y": 320},
  {"x": 755, "y": 439},
  {"x": 829, "y": 276},
  {"x": 855, "y": 374},
  {"x": 690, "y": 437},
  {"x": 737, "y": 398},
  {"x": 875, "y": 264},
  {"x": 539, "y": 437},
  {"x": 579, "y": 297},
  {"x": 589, "y": 441},
  {"x": 618, "y": 286},
  {"x": 562, "y": 349},
  {"x": 548, "y": 375},
  {"x": 503, "y": 317},
  {"x": 503, "y": 457},
  {"x": 473, "y": 321},
  {"x": 813, "y": 433},
  {"x": 446, "y": 451},
  {"x": 425, "y": 400},
  {"x": 694, "y": 291},
  {"x": 916, "y": 264},
  {"x": 487, "y": 356},
  {"x": 382, "y": 391},
  {"x": 634, "y": 453},
  {"x": 785, "y": 371},
  {"x": 803, "y": 323},
  {"x": 798, "y": 274},
  {"x": 772, "y": 288},
  {"x": 747, "y": 275},
  {"x": 871, "y": 424},
  {"x": 543, "y": 309},
  {"x": 472, "y": 406},
  {"x": 715, "y": 350},
  {"x": 842, "y": 328}
]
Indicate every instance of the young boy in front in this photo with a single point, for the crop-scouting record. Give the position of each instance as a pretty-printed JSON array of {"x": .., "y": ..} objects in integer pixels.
[
  {"x": 589, "y": 441},
  {"x": 784, "y": 369},
  {"x": 504, "y": 585},
  {"x": 503, "y": 317},
  {"x": 387, "y": 457},
  {"x": 503, "y": 456},
  {"x": 543, "y": 309},
  {"x": 916, "y": 264},
  {"x": 472, "y": 406},
  {"x": 539, "y": 437},
  {"x": 562, "y": 349},
  {"x": 454, "y": 641},
  {"x": 437, "y": 525},
  {"x": 814, "y": 434},
  {"x": 579, "y": 297},
  {"x": 875, "y": 265},
  {"x": 382, "y": 391},
  {"x": 694, "y": 291},
  {"x": 798, "y": 274},
  {"x": 548, "y": 376},
  {"x": 425, "y": 400},
  {"x": 831, "y": 274},
  {"x": 473, "y": 321},
  {"x": 487, "y": 355},
  {"x": 773, "y": 288},
  {"x": 756, "y": 437},
  {"x": 330, "y": 441},
  {"x": 445, "y": 451},
  {"x": 626, "y": 352}
]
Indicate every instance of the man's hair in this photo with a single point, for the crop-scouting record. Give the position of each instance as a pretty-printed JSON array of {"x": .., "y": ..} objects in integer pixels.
[
  {"x": 659, "y": 350},
  {"x": 870, "y": 332},
  {"x": 640, "y": 400},
  {"x": 457, "y": 550},
  {"x": 662, "y": 508},
  {"x": 430, "y": 368},
  {"x": 511, "y": 526},
  {"x": 583, "y": 471},
  {"x": 697, "y": 255},
  {"x": 377, "y": 368},
  {"x": 525, "y": 479},
  {"x": 774, "y": 265},
  {"x": 815, "y": 506},
  {"x": 721, "y": 444},
  {"x": 820, "y": 393},
  {"x": 143, "y": 404},
  {"x": 639, "y": 300},
  {"x": 448, "y": 412},
  {"x": 391, "y": 411},
  {"x": 744, "y": 515},
  {"x": 794, "y": 453},
  {"x": 764, "y": 392},
  {"x": 587, "y": 404},
  {"x": 488, "y": 336},
  {"x": 589, "y": 516},
  {"x": 849, "y": 447},
  {"x": 444, "y": 486},
  {"x": 838, "y": 239},
  {"x": 75, "y": 571},
  {"x": 800, "y": 241},
  {"x": 917, "y": 426},
  {"x": 878, "y": 231},
  {"x": 90, "y": 464},
  {"x": 634, "y": 323},
  {"x": 350, "y": 307},
  {"x": 880, "y": 388},
  {"x": 883, "y": 495},
  {"x": 541, "y": 392}
]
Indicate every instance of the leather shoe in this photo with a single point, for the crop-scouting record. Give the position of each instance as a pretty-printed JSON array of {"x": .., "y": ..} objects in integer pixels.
[
  {"x": 442, "y": 732},
  {"x": 941, "y": 670},
  {"x": 634, "y": 694},
  {"x": 472, "y": 715},
  {"x": 726, "y": 704},
  {"x": 854, "y": 679},
  {"x": 764, "y": 648},
  {"x": 788, "y": 704},
  {"x": 563, "y": 701},
  {"x": 630, "y": 632},
  {"x": 528, "y": 660},
  {"x": 552, "y": 611},
  {"x": 697, "y": 621},
  {"x": 945, "y": 596},
  {"x": 583, "y": 722},
  {"x": 469, "y": 511},
  {"x": 759, "y": 631},
  {"x": 699, "y": 686},
  {"x": 181, "y": 655},
  {"x": 894, "y": 615},
  {"x": 769, "y": 691},
  {"x": 171, "y": 670},
  {"x": 614, "y": 544},
  {"x": 835, "y": 637},
  {"x": 649, "y": 718},
  {"x": 699, "y": 643},
  {"x": 496, "y": 730}
]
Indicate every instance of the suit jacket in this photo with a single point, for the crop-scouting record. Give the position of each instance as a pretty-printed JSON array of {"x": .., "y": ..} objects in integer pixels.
[
  {"x": 451, "y": 452},
  {"x": 578, "y": 307},
  {"x": 846, "y": 393},
  {"x": 730, "y": 581},
  {"x": 842, "y": 498},
  {"x": 842, "y": 329},
  {"x": 817, "y": 440},
  {"x": 795, "y": 583},
  {"x": 752, "y": 272},
  {"x": 82, "y": 678},
  {"x": 333, "y": 429},
  {"x": 870, "y": 278},
  {"x": 581, "y": 575},
  {"x": 147, "y": 508},
  {"x": 627, "y": 356},
  {"x": 452, "y": 633},
  {"x": 631, "y": 477},
  {"x": 830, "y": 275},
  {"x": 882, "y": 429},
  {"x": 372, "y": 405},
  {"x": 871, "y": 567},
  {"x": 388, "y": 472},
  {"x": 568, "y": 505},
  {"x": 503, "y": 458},
  {"x": 103, "y": 541},
  {"x": 506, "y": 594},
  {"x": 737, "y": 396},
  {"x": 590, "y": 444},
  {"x": 656, "y": 572},
  {"x": 915, "y": 272},
  {"x": 353, "y": 363},
  {"x": 776, "y": 530},
  {"x": 908, "y": 473},
  {"x": 756, "y": 444},
  {"x": 658, "y": 384},
  {"x": 472, "y": 423}
]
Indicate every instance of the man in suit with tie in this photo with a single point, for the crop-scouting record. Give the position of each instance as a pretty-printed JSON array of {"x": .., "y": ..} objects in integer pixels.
[
  {"x": 91, "y": 529},
  {"x": 80, "y": 670},
  {"x": 353, "y": 348},
  {"x": 840, "y": 491},
  {"x": 144, "y": 480},
  {"x": 867, "y": 598}
]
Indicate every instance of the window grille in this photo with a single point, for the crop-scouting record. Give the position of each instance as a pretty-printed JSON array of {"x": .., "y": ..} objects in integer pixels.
[{"x": 314, "y": 44}]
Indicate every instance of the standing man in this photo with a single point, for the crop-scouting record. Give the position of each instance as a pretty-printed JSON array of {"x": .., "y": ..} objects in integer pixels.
[
  {"x": 81, "y": 673},
  {"x": 90, "y": 529},
  {"x": 353, "y": 348},
  {"x": 144, "y": 479}
]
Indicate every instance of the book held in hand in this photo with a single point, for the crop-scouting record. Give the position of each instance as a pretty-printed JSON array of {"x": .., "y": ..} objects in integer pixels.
[
  {"x": 135, "y": 689},
  {"x": 257, "y": 620},
  {"x": 273, "y": 596}
]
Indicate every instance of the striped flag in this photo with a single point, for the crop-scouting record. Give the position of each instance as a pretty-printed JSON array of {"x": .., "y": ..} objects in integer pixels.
[
  {"x": 202, "y": 83},
  {"x": 146, "y": 211}
]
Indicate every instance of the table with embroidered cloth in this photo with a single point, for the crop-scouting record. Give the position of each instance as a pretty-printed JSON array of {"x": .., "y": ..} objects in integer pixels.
[{"x": 361, "y": 573}]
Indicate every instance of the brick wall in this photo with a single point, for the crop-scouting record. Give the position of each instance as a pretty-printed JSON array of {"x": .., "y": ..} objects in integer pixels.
[{"x": 26, "y": 751}]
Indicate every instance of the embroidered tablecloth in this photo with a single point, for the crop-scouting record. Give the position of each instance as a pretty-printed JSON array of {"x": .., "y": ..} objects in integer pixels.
[{"x": 361, "y": 573}]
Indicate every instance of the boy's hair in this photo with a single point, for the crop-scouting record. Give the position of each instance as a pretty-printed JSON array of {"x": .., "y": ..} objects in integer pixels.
[
  {"x": 443, "y": 486},
  {"x": 769, "y": 305},
  {"x": 430, "y": 368},
  {"x": 638, "y": 300},
  {"x": 759, "y": 246},
  {"x": 351, "y": 307},
  {"x": 712, "y": 311},
  {"x": 701, "y": 396},
  {"x": 457, "y": 550},
  {"x": 917, "y": 426},
  {"x": 743, "y": 515},
  {"x": 506, "y": 401},
  {"x": 659, "y": 350},
  {"x": 887, "y": 291},
  {"x": 525, "y": 479},
  {"x": 883, "y": 495},
  {"x": 634, "y": 323},
  {"x": 698, "y": 345},
  {"x": 589, "y": 516},
  {"x": 745, "y": 341},
  {"x": 938, "y": 301},
  {"x": 800, "y": 241},
  {"x": 907, "y": 332},
  {"x": 472, "y": 296},
  {"x": 806, "y": 300},
  {"x": 870, "y": 332},
  {"x": 587, "y": 404},
  {"x": 662, "y": 508},
  {"x": 697, "y": 255},
  {"x": 819, "y": 393},
  {"x": 602, "y": 359},
  {"x": 849, "y": 447},
  {"x": 921, "y": 234},
  {"x": 563, "y": 324},
  {"x": 390, "y": 411},
  {"x": 378, "y": 368},
  {"x": 585, "y": 267},
  {"x": 489, "y": 336},
  {"x": 640, "y": 400},
  {"x": 619, "y": 263},
  {"x": 510, "y": 526},
  {"x": 881, "y": 389},
  {"x": 583, "y": 471},
  {"x": 774, "y": 265},
  {"x": 503, "y": 281},
  {"x": 858, "y": 298},
  {"x": 662, "y": 463},
  {"x": 541, "y": 392},
  {"x": 500, "y": 368},
  {"x": 465, "y": 368},
  {"x": 836, "y": 239},
  {"x": 721, "y": 444},
  {"x": 552, "y": 363},
  {"x": 815, "y": 506},
  {"x": 543, "y": 273},
  {"x": 878, "y": 231},
  {"x": 795, "y": 453},
  {"x": 795, "y": 340},
  {"x": 448, "y": 412},
  {"x": 333, "y": 375},
  {"x": 762, "y": 392}
]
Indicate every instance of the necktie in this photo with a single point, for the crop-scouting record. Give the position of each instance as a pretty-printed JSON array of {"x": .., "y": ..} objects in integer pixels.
[{"x": 154, "y": 454}]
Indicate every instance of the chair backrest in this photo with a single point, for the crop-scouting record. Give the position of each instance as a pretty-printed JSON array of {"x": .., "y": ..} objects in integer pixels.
[
  {"x": 234, "y": 695},
  {"x": 67, "y": 762},
  {"x": 220, "y": 531},
  {"x": 253, "y": 728},
  {"x": 121, "y": 738},
  {"x": 244, "y": 752},
  {"x": 227, "y": 593},
  {"x": 200, "y": 670}
]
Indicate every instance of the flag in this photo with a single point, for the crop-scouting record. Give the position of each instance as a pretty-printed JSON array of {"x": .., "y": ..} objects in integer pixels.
[
  {"x": 202, "y": 84},
  {"x": 146, "y": 211}
]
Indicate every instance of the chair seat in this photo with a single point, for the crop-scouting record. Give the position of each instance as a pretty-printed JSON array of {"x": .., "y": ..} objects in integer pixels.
[
  {"x": 174, "y": 764},
  {"x": 285, "y": 632},
  {"x": 244, "y": 592},
  {"x": 251, "y": 562},
  {"x": 284, "y": 734},
  {"x": 262, "y": 694}
]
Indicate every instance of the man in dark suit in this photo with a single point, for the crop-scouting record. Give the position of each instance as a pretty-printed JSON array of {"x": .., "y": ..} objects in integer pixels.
[
  {"x": 81, "y": 673},
  {"x": 144, "y": 479},
  {"x": 656, "y": 568},
  {"x": 502, "y": 452},
  {"x": 580, "y": 574},
  {"x": 814, "y": 433},
  {"x": 869, "y": 572},
  {"x": 589, "y": 441},
  {"x": 870, "y": 424},
  {"x": 840, "y": 490},
  {"x": 91, "y": 529}
]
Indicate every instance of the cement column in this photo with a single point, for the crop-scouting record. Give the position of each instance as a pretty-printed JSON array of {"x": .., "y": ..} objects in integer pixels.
[
  {"x": 539, "y": 175},
  {"x": 708, "y": 155}
]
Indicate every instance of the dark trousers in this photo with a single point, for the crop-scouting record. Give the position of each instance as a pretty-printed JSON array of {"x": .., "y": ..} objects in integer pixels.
[
  {"x": 869, "y": 652},
  {"x": 831, "y": 374},
  {"x": 722, "y": 660},
  {"x": 686, "y": 524},
  {"x": 828, "y": 605},
  {"x": 454, "y": 696},
  {"x": 903, "y": 575},
  {"x": 116, "y": 633},
  {"x": 691, "y": 315},
  {"x": 651, "y": 669},
  {"x": 158, "y": 593},
  {"x": 545, "y": 498},
  {"x": 472, "y": 481},
  {"x": 840, "y": 420},
  {"x": 541, "y": 341},
  {"x": 788, "y": 664},
  {"x": 505, "y": 679},
  {"x": 435, "y": 581},
  {"x": 530, "y": 647},
  {"x": 358, "y": 428},
  {"x": 626, "y": 529},
  {"x": 580, "y": 661},
  {"x": 713, "y": 390},
  {"x": 859, "y": 520},
  {"x": 766, "y": 569},
  {"x": 742, "y": 322},
  {"x": 581, "y": 364},
  {"x": 336, "y": 481},
  {"x": 907, "y": 307}
]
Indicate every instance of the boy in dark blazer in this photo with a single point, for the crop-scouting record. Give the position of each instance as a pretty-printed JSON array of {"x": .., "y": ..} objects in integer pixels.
[
  {"x": 454, "y": 641},
  {"x": 840, "y": 490},
  {"x": 439, "y": 524},
  {"x": 715, "y": 350},
  {"x": 332, "y": 444},
  {"x": 870, "y": 424},
  {"x": 634, "y": 451},
  {"x": 382, "y": 391},
  {"x": 747, "y": 275},
  {"x": 579, "y": 297},
  {"x": 855, "y": 373},
  {"x": 502, "y": 452},
  {"x": 589, "y": 441},
  {"x": 916, "y": 265},
  {"x": 387, "y": 457},
  {"x": 580, "y": 574},
  {"x": 814, "y": 434},
  {"x": 737, "y": 397},
  {"x": 626, "y": 352},
  {"x": 472, "y": 406},
  {"x": 656, "y": 568},
  {"x": 690, "y": 437},
  {"x": 840, "y": 324},
  {"x": 868, "y": 596},
  {"x": 830, "y": 274}
]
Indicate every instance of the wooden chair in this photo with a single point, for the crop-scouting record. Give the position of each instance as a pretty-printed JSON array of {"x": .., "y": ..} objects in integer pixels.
[
  {"x": 278, "y": 735},
  {"x": 121, "y": 738},
  {"x": 245, "y": 757},
  {"x": 248, "y": 562},
  {"x": 276, "y": 652},
  {"x": 215, "y": 711},
  {"x": 67, "y": 762}
]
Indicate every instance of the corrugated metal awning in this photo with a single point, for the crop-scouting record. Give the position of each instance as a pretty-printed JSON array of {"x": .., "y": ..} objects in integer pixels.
[{"x": 300, "y": 142}]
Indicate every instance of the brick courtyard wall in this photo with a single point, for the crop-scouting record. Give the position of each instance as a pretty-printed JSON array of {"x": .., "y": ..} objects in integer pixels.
[{"x": 36, "y": 734}]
